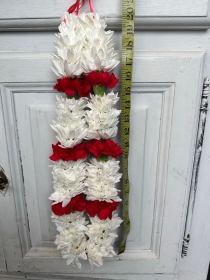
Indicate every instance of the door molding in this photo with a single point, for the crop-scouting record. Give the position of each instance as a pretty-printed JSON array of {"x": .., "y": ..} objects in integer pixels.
[{"x": 114, "y": 23}]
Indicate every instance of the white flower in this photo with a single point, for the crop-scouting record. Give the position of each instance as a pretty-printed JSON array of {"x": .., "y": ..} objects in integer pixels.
[
  {"x": 94, "y": 254},
  {"x": 70, "y": 67},
  {"x": 103, "y": 102},
  {"x": 103, "y": 228},
  {"x": 92, "y": 20},
  {"x": 68, "y": 137},
  {"x": 98, "y": 52},
  {"x": 70, "y": 123},
  {"x": 101, "y": 238},
  {"x": 70, "y": 104},
  {"x": 102, "y": 119},
  {"x": 68, "y": 179},
  {"x": 83, "y": 45},
  {"x": 67, "y": 60},
  {"x": 75, "y": 220},
  {"x": 101, "y": 180},
  {"x": 72, "y": 243},
  {"x": 70, "y": 110}
]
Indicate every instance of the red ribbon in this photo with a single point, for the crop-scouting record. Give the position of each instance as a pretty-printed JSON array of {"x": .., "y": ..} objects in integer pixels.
[
  {"x": 77, "y": 6},
  {"x": 91, "y": 6}
]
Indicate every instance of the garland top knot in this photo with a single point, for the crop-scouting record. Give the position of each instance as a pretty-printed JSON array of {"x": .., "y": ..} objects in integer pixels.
[
  {"x": 77, "y": 6},
  {"x": 85, "y": 170}
]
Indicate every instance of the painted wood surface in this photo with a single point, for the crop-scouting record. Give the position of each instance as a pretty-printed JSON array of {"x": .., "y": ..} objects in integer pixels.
[
  {"x": 49, "y": 9},
  {"x": 194, "y": 267},
  {"x": 59, "y": 277},
  {"x": 33, "y": 276},
  {"x": 2, "y": 258},
  {"x": 150, "y": 15},
  {"x": 196, "y": 165},
  {"x": 8, "y": 218},
  {"x": 160, "y": 93}
]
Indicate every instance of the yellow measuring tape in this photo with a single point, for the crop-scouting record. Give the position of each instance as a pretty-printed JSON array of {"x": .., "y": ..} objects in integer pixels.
[{"x": 128, "y": 14}]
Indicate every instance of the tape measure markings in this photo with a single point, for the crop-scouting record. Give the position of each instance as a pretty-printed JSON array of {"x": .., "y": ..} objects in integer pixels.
[{"x": 128, "y": 14}]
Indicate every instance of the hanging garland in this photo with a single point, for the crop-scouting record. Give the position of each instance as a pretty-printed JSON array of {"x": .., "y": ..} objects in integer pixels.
[{"x": 85, "y": 169}]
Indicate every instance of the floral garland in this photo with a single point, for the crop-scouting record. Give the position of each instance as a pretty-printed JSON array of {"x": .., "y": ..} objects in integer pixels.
[{"x": 85, "y": 168}]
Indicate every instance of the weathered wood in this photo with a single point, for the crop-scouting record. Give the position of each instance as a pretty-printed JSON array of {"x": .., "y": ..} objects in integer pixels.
[
  {"x": 196, "y": 166},
  {"x": 11, "y": 247}
]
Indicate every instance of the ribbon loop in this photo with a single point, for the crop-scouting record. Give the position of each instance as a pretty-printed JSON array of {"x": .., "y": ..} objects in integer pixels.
[{"x": 77, "y": 6}]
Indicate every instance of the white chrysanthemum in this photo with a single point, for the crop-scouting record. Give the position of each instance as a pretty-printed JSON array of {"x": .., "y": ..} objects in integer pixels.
[
  {"x": 101, "y": 238},
  {"x": 101, "y": 180},
  {"x": 98, "y": 52},
  {"x": 70, "y": 67},
  {"x": 94, "y": 254},
  {"x": 68, "y": 137},
  {"x": 92, "y": 21},
  {"x": 72, "y": 243},
  {"x": 103, "y": 102},
  {"x": 68, "y": 179},
  {"x": 104, "y": 228},
  {"x": 70, "y": 123},
  {"x": 83, "y": 45},
  {"x": 69, "y": 43},
  {"x": 70, "y": 110},
  {"x": 71, "y": 103},
  {"x": 102, "y": 119},
  {"x": 75, "y": 220}
]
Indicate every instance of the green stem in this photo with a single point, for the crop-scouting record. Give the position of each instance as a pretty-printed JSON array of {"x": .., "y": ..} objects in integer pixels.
[
  {"x": 76, "y": 96},
  {"x": 99, "y": 90},
  {"x": 102, "y": 158}
]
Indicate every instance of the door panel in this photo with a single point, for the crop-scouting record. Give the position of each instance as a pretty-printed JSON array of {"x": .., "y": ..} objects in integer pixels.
[
  {"x": 151, "y": 116},
  {"x": 165, "y": 99}
]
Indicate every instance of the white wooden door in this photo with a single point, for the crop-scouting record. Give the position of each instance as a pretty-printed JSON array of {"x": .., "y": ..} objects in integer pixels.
[
  {"x": 167, "y": 86},
  {"x": 164, "y": 117}
]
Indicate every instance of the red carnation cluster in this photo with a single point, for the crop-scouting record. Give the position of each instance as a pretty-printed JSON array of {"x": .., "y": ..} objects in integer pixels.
[
  {"x": 102, "y": 208},
  {"x": 83, "y": 86},
  {"x": 96, "y": 78},
  {"x": 77, "y": 203},
  {"x": 107, "y": 148},
  {"x": 73, "y": 86},
  {"x": 80, "y": 151}
]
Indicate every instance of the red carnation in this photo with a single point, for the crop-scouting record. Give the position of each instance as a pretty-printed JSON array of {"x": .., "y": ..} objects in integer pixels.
[
  {"x": 80, "y": 151},
  {"x": 85, "y": 89},
  {"x": 58, "y": 210},
  {"x": 107, "y": 148},
  {"x": 92, "y": 207},
  {"x": 106, "y": 209},
  {"x": 101, "y": 208},
  {"x": 96, "y": 78},
  {"x": 73, "y": 86},
  {"x": 77, "y": 203},
  {"x": 65, "y": 85}
]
